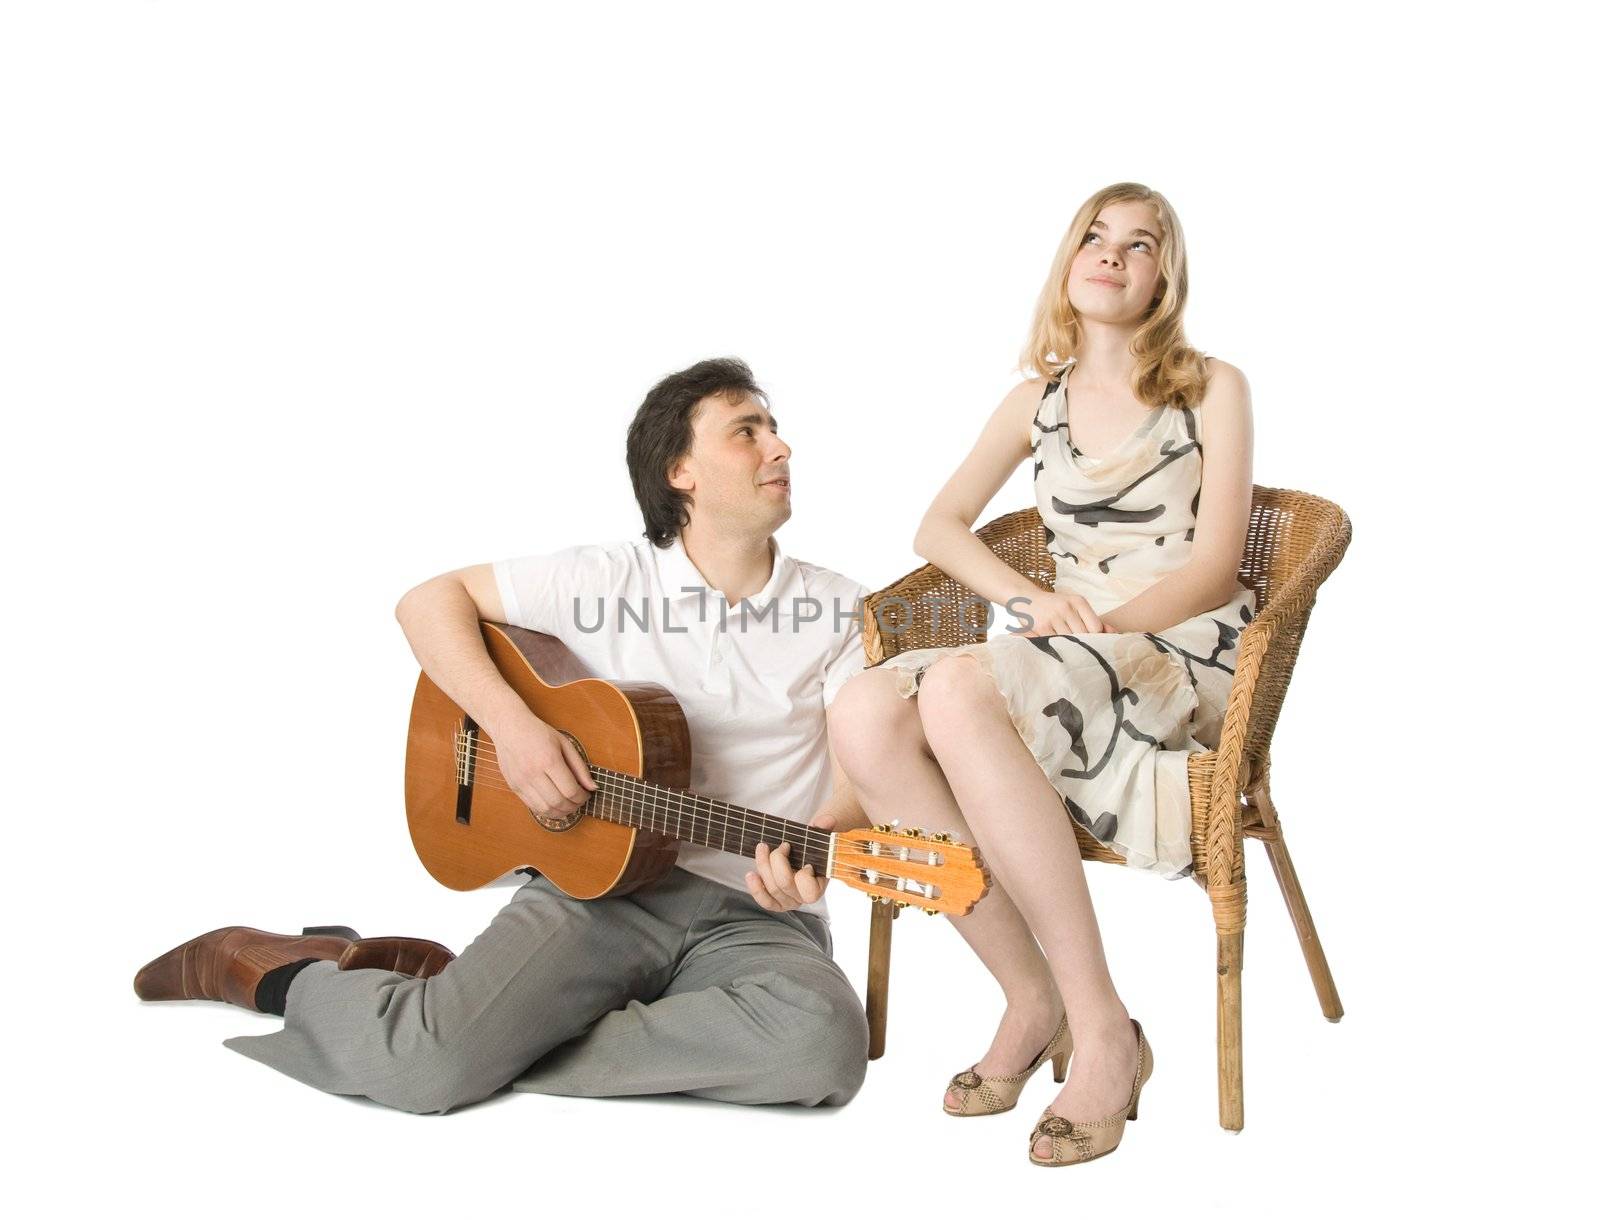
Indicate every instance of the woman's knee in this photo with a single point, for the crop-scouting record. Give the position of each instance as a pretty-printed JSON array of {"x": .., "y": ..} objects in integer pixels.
[
  {"x": 955, "y": 695},
  {"x": 867, "y": 718}
]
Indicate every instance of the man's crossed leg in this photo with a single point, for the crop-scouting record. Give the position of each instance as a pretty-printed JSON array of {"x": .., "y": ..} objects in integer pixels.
[{"x": 685, "y": 986}]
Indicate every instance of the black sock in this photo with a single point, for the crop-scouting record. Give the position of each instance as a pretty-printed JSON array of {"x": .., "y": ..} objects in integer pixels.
[{"x": 272, "y": 992}]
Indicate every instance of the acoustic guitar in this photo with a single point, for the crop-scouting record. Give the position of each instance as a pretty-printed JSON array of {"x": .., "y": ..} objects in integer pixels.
[{"x": 469, "y": 827}]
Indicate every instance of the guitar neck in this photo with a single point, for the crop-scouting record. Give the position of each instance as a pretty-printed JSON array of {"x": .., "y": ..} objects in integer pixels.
[{"x": 632, "y": 801}]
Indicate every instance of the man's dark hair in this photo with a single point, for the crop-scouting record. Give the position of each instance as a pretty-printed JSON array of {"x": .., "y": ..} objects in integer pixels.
[{"x": 662, "y": 431}]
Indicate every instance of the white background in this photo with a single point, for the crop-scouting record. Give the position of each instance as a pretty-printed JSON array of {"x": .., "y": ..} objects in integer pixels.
[{"x": 304, "y": 303}]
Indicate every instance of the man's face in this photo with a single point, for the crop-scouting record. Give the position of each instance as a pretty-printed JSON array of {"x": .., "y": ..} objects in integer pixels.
[{"x": 737, "y": 470}]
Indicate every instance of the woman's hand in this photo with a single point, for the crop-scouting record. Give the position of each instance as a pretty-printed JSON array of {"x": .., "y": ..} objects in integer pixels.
[
  {"x": 775, "y": 885},
  {"x": 1062, "y": 614}
]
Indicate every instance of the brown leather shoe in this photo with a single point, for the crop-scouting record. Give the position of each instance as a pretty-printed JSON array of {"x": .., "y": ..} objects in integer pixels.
[
  {"x": 403, "y": 954},
  {"x": 227, "y": 963}
]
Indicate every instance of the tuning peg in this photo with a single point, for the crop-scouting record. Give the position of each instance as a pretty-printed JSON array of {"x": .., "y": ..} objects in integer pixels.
[
  {"x": 883, "y": 828},
  {"x": 914, "y": 833},
  {"x": 929, "y": 911},
  {"x": 901, "y": 905},
  {"x": 941, "y": 837}
]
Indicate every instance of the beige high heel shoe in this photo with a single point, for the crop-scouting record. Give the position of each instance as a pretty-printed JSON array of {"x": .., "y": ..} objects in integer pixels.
[
  {"x": 1072, "y": 1143},
  {"x": 997, "y": 1094}
]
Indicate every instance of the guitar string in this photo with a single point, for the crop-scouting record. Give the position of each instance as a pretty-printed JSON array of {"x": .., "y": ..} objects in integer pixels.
[
  {"x": 635, "y": 793},
  {"x": 714, "y": 817},
  {"x": 845, "y": 869},
  {"x": 844, "y": 856},
  {"x": 645, "y": 787},
  {"x": 655, "y": 817},
  {"x": 845, "y": 851},
  {"x": 627, "y": 807}
]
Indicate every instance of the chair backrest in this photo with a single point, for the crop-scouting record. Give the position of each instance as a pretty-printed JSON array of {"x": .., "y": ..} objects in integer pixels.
[{"x": 1294, "y": 541}]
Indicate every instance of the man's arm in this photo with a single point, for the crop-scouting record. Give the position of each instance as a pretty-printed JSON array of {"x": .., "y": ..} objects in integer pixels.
[{"x": 440, "y": 618}]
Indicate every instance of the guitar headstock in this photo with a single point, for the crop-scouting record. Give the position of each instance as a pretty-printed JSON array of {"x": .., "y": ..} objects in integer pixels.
[{"x": 911, "y": 868}]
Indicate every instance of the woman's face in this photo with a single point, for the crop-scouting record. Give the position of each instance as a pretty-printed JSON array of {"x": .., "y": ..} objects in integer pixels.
[{"x": 1114, "y": 275}]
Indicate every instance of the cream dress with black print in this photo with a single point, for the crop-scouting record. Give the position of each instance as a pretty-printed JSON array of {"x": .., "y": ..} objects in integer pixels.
[{"x": 1112, "y": 717}]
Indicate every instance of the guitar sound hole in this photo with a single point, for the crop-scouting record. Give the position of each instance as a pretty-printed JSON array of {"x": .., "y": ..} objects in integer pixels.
[{"x": 566, "y": 823}]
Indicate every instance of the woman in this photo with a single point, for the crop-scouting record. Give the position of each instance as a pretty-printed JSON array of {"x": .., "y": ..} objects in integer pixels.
[{"x": 1085, "y": 709}]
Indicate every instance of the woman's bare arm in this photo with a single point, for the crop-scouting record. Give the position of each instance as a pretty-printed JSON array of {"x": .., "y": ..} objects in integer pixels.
[
  {"x": 1207, "y": 580},
  {"x": 945, "y": 538}
]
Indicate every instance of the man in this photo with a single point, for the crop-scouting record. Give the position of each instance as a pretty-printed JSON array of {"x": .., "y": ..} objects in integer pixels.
[{"x": 716, "y": 980}]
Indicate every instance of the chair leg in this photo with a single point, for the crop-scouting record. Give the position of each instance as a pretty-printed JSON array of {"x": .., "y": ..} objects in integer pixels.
[
  {"x": 1295, "y": 898},
  {"x": 1230, "y": 1034},
  {"x": 883, "y": 916}
]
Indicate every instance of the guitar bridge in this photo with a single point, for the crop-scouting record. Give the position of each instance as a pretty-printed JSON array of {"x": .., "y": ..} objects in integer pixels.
[{"x": 466, "y": 768}]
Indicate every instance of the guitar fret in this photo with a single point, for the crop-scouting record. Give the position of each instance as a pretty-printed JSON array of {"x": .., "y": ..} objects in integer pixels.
[{"x": 691, "y": 818}]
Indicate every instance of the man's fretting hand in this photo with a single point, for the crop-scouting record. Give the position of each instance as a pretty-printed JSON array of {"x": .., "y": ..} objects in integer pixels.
[{"x": 775, "y": 884}]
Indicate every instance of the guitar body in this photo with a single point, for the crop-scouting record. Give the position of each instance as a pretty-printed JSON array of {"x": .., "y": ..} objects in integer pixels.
[{"x": 468, "y": 835}]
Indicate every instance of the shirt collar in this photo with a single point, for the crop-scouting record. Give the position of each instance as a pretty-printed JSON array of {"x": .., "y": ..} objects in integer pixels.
[{"x": 680, "y": 579}]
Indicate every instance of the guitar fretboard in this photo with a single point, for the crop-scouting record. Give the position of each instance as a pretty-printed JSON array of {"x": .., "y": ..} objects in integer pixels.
[{"x": 679, "y": 814}]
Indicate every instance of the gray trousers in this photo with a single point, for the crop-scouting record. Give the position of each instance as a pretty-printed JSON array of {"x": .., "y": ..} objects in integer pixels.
[{"x": 685, "y": 986}]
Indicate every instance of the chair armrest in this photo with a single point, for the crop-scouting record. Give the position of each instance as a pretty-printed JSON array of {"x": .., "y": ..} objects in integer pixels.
[
  {"x": 923, "y": 609},
  {"x": 927, "y": 609}
]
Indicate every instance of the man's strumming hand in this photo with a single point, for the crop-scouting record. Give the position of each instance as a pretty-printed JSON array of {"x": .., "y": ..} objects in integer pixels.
[{"x": 542, "y": 766}]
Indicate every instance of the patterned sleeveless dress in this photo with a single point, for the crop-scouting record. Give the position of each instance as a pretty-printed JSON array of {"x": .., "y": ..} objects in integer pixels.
[{"x": 1111, "y": 717}]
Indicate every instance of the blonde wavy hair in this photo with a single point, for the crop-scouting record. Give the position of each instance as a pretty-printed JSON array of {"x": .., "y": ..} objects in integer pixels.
[{"x": 1166, "y": 368}]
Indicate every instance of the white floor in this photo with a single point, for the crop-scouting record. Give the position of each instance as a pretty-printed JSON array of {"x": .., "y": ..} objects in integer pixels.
[{"x": 1364, "y": 1112}]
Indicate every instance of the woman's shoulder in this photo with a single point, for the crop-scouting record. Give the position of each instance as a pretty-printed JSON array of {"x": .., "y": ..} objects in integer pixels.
[
  {"x": 1224, "y": 408},
  {"x": 1021, "y": 402},
  {"x": 1028, "y": 390},
  {"x": 1223, "y": 381}
]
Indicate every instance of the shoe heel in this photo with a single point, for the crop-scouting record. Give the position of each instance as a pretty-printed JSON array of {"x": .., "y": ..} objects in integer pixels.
[
  {"x": 1149, "y": 1070},
  {"x": 331, "y": 930},
  {"x": 1059, "y": 1063}
]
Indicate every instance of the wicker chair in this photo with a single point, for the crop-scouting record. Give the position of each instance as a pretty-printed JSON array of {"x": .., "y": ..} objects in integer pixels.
[{"x": 1294, "y": 541}]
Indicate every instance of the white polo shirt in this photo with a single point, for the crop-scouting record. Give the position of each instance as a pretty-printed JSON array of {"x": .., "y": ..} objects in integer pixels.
[{"x": 752, "y": 678}]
